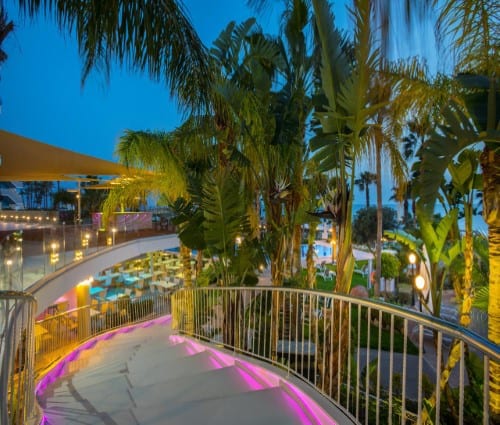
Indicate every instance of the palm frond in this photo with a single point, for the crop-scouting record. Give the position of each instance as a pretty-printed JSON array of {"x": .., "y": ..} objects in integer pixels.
[
  {"x": 224, "y": 213},
  {"x": 481, "y": 298},
  {"x": 472, "y": 25},
  {"x": 445, "y": 142},
  {"x": 155, "y": 37},
  {"x": 189, "y": 219}
]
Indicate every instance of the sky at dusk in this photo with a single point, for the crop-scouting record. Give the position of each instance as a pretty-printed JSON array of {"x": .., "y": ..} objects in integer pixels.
[{"x": 42, "y": 97}]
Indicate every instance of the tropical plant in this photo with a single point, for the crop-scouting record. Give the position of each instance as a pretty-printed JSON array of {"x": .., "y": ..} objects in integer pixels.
[
  {"x": 465, "y": 181},
  {"x": 471, "y": 28},
  {"x": 226, "y": 228},
  {"x": 390, "y": 266},
  {"x": 147, "y": 36},
  {"x": 6, "y": 27},
  {"x": 344, "y": 113},
  {"x": 364, "y": 181}
]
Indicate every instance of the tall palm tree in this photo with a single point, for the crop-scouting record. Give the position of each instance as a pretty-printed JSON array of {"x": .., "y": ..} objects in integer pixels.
[
  {"x": 472, "y": 116},
  {"x": 345, "y": 83},
  {"x": 365, "y": 179}
]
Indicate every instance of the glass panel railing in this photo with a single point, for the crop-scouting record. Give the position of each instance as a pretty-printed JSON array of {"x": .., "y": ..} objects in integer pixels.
[{"x": 29, "y": 254}]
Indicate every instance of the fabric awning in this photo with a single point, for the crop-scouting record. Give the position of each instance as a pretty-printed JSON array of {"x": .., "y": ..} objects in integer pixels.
[{"x": 24, "y": 159}]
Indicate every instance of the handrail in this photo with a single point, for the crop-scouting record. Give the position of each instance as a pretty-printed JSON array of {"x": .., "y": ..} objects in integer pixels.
[
  {"x": 45, "y": 250},
  {"x": 16, "y": 357},
  {"x": 378, "y": 362},
  {"x": 28, "y": 349}
]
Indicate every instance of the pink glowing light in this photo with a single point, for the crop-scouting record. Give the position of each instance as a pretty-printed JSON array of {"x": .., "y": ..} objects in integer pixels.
[
  {"x": 257, "y": 378},
  {"x": 61, "y": 367},
  {"x": 268, "y": 379},
  {"x": 309, "y": 405},
  {"x": 215, "y": 363},
  {"x": 250, "y": 380},
  {"x": 294, "y": 406}
]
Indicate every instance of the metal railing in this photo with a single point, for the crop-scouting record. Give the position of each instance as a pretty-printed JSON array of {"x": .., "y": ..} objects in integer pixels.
[
  {"x": 28, "y": 255},
  {"x": 382, "y": 364},
  {"x": 17, "y": 391},
  {"x": 57, "y": 335},
  {"x": 29, "y": 349}
]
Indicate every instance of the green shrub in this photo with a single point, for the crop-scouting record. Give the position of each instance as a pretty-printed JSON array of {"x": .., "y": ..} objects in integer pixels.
[{"x": 390, "y": 266}]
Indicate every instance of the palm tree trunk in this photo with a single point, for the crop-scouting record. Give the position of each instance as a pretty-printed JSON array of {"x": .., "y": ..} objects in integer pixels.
[
  {"x": 186, "y": 265},
  {"x": 296, "y": 249},
  {"x": 199, "y": 262},
  {"x": 490, "y": 163},
  {"x": 311, "y": 270},
  {"x": 378, "y": 242},
  {"x": 185, "y": 253}
]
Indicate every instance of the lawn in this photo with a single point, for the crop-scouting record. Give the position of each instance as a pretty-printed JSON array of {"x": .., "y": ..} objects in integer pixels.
[{"x": 358, "y": 279}]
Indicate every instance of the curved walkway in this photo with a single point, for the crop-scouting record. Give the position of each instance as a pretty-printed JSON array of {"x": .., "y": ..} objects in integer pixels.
[{"x": 151, "y": 376}]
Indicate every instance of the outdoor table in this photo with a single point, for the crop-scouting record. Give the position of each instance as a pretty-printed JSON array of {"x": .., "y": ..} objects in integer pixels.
[
  {"x": 100, "y": 278},
  {"x": 130, "y": 280},
  {"x": 97, "y": 290},
  {"x": 165, "y": 286}
]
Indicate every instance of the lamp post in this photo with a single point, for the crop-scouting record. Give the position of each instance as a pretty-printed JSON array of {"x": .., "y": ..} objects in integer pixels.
[
  {"x": 412, "y": 258},
  {"x": 420, "y": 285},
  {"x": 85, "y": 242},
  {"x": 54, "y": 254},
  {"x": 8, "y": 263},
  {"x": 78, "y": 208},
  {"x": 113, "y": 232}
]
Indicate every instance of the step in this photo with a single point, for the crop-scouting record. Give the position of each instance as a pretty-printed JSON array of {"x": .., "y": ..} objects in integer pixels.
[
  {"x": 218, "y": 383},
  {"x": 269, "y": 406},
  {"x": 152, "y": 371}
]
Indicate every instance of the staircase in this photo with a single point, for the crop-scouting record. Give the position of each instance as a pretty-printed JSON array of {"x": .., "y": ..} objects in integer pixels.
[{"x": 152, "y": 376}]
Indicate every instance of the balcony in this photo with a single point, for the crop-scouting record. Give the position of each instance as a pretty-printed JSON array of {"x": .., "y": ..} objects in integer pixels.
[{"x": 360, "y": 361}]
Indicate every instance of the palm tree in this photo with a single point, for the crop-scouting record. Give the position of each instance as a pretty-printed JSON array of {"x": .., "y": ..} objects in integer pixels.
[
  {"x": 472, "y": 117},
  {"x": 469, "y": 29},
  {"x": 148, "y": 36},
  {"x": 345, "y": 82},
  {"x": 364, "y": 181}
]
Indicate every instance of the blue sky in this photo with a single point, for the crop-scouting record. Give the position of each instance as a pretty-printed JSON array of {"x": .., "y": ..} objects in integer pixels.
[{"x": 43, "y": 99}]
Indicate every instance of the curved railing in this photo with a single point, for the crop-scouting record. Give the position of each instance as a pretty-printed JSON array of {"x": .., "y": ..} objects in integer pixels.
[
  {"x": 17, "y": 392},
  {"x": 379, "y": 362},
  {"x": 57, "y": 335},
  {"x": 28, "y": 350},
  {"x": 28, "y": 255}
]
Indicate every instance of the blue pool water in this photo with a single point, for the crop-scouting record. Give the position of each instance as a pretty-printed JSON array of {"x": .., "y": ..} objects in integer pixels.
[{"x": 320, "y": 250}]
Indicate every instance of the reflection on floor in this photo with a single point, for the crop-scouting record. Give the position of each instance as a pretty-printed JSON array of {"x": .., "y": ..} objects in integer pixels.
[{"x": 150, "y": 376}]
